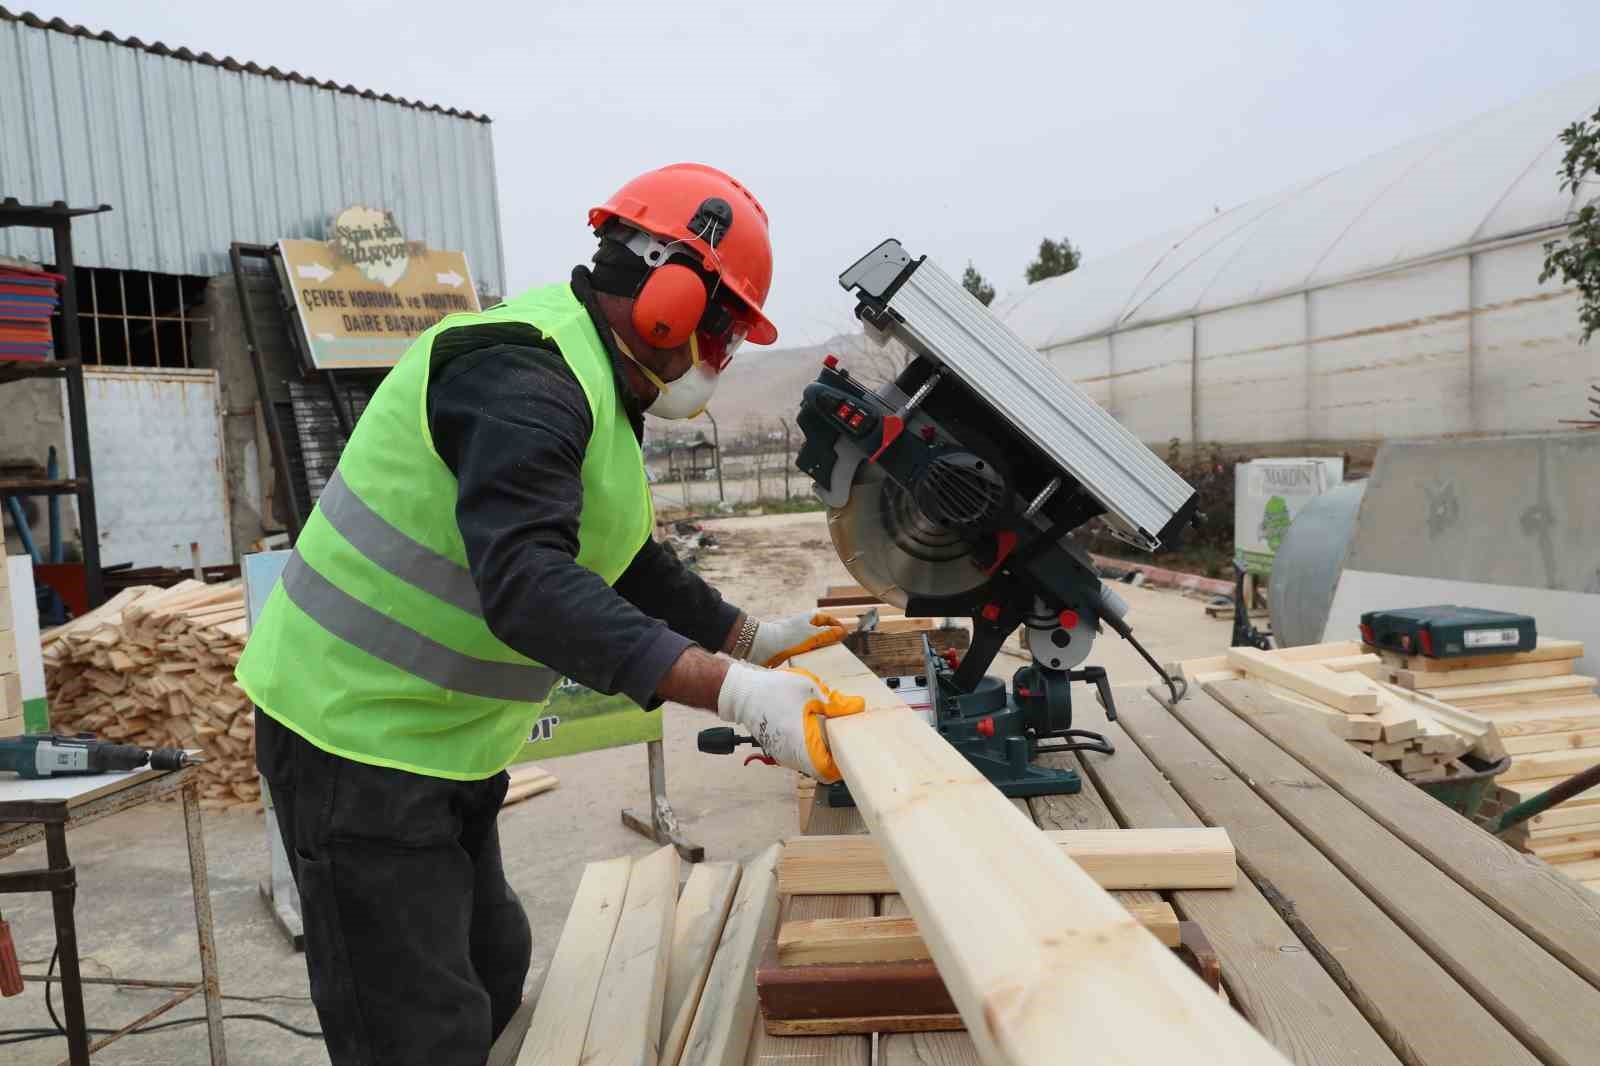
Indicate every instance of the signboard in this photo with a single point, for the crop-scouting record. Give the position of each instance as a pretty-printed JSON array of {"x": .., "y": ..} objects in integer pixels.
[
  {"x": 364, "y": 296},
  {"x": 17, "y": 586},
  {"x": 1268, "y": 493},
  {"x": 581, "y": 719}
]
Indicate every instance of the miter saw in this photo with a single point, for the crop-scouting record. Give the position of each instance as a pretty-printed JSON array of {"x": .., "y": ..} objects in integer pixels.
[{"x": 951, "y": 492}]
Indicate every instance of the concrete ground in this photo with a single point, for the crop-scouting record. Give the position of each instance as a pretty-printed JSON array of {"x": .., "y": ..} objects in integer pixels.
[{"x": 135, "y": 916}]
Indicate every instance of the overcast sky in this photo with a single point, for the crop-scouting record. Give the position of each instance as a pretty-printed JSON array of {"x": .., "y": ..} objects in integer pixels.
[{"x": 967, "y": 130}]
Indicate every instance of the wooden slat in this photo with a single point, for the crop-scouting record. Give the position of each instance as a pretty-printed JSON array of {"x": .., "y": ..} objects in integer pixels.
[
  {"x": 1115, "y": 858},
  {"x": 1551, "y": 718},
  {"x": 1268, "y": 973},
  {"x": 1515, "y": 980},
  {"x": 1403, "y": 992},
  {"x": 1034, "y": 953},
  {"x": 702, "y": 911},
  {"x": 1570, "y": 741},
  {"x": 561, "y": 1020},
  {"x": 1549, "y": 764},
  {"x": 1547, "y": 650},
  {"x": 628, "y": 1005},
  {"x": 1344, "y": 692},
  {"x": 720, "y": 1035},
  {"x": 1559, "y": 915},
  {"x": 1516, "y": 693},
  {"x": 1429, "y": 679},
  {"x": 882, "y": 939}
]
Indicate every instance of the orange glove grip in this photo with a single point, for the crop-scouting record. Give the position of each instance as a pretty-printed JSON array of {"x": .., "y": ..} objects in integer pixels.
[
  {"x": 837, "y": 705},
  {"x": 834, "y": 634}
]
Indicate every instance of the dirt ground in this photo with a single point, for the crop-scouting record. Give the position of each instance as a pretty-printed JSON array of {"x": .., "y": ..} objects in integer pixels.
[{"x": 135, "y": 916}]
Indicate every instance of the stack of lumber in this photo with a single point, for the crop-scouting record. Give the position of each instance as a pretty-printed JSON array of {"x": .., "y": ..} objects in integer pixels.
[
  {"x": 154, "y": 667},
  {"x": 10, "y": 680},
  {"x": 1548, "y": 717},
  {"x": 643, "y": 974},
  {"x": 1416, "y": 731}
]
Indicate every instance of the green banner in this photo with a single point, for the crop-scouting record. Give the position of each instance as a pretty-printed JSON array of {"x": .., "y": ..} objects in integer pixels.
[{"x": 581, "y": 719}]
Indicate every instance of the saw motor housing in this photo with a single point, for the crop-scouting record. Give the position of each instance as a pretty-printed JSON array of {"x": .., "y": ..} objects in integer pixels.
[{"x": 952, "y": 490}]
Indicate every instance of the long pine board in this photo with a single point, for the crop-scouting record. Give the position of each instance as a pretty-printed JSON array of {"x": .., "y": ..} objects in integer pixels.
[
  {"x": 1547, "y": 650},
  {"x": 633, "y": 985},
  {"x": 1540, "y": 764},
  {"x": 702, "y": 912},
  {"x": 561, "y": 1020},
  {"x": 1279, "y": 985},
  {"x": 1572, "y": 741},
  {"x": 1559, "y": 915},
  {"x": 1516, "y": 980},
  {"x": 1347, "y": 692},
  {"x": 1033, "y": 952},
  {"x": 1115, "y": 858},
  {"x": 723, "y": 1022},
  {"x": 1400, "y": 989},
  {"x": 1429, "y": 679}
]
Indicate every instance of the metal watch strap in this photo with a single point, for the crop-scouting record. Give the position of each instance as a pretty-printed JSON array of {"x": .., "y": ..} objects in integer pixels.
[{"x": 747, "y": 638}]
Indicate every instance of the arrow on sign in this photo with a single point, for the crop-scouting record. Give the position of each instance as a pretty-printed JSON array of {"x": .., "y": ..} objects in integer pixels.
[
  {"x": 316, "y": 272},
  {"x": 450, "y": 278}
]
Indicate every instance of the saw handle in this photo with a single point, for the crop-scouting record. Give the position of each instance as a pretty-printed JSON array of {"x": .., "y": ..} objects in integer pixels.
[{"x": 721, "y": 740}]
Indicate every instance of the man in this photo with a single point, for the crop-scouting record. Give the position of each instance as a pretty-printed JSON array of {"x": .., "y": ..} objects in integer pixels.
[{"x": 487, "y": 533}]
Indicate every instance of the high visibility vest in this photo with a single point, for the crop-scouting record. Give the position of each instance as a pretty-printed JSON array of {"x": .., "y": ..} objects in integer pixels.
[{"x": 373, "y": 646}]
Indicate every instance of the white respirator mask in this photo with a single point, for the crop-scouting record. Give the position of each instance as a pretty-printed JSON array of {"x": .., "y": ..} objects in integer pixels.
[{"x": 684, "y": 397}]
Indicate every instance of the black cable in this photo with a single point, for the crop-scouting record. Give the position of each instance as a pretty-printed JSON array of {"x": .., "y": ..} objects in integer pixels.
[{"x": 23, "y": 1036}]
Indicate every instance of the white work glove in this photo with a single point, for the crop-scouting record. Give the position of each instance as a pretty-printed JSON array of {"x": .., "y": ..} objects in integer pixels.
[
  {"x": 779, "y": 639},
  {"x": 785, "y": 711}
]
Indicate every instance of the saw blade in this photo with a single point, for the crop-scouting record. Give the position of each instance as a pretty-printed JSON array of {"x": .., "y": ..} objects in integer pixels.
[{"x": 893, "y": 549}]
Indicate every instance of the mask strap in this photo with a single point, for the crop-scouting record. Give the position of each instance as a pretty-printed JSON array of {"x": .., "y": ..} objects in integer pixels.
[{"x": 646, "y": 371}]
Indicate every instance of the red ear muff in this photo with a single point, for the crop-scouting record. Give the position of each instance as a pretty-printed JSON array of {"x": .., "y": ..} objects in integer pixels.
[{"x": 669, "y": 305}]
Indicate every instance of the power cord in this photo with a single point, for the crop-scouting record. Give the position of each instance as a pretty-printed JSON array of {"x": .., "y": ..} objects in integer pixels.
[{"x": 23, "y": 1036}]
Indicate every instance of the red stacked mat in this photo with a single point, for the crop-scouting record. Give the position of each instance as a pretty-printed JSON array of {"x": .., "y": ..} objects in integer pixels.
[{"x": 27, "y": 300}]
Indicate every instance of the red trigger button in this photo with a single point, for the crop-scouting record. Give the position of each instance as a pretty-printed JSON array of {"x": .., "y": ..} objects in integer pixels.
[{"x": 985, "y": 727}]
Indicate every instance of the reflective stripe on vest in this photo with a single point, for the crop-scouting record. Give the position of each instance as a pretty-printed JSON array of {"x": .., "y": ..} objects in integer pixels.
[
  {"x": 371, "y": 535},
  {"x": 404, "y": 648}
]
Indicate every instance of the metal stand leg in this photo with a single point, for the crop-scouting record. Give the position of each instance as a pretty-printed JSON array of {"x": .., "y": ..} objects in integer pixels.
[
  {"x": 62, "y": 899},
  {"x": 662, "y": 826},
  {"x": 201, "y": 886},
  {"x": 279, "y": 890}
]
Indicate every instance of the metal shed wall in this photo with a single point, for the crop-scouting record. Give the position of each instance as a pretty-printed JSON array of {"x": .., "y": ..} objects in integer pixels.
[{"x": 195, "y": 153}]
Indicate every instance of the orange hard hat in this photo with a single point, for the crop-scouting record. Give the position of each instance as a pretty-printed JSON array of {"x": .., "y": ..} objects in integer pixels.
[{"x": 716, "y": 219}]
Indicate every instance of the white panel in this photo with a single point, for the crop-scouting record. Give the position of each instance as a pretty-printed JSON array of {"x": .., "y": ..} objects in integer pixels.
[
  {"x": 1086, "y": 364},
  {"x": 156, "y": 440},
  {"x": 24, "y": 624},
  {"x": 1530, "y": 369},
  {"x": 1389, "y": 355},
  {"x": 1151, "y": 384},
  {"x": 1253, "y": 374}
]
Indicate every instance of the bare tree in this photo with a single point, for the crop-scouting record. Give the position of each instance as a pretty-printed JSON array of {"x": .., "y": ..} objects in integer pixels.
[{"x": 873, "y": 363}]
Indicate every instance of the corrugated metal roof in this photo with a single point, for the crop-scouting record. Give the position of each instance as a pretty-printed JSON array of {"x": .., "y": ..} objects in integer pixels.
[
  {"x": 1484, "y": 180},
  {"x": 193, "y": 155},
  {"x": 59, "y": 25}
]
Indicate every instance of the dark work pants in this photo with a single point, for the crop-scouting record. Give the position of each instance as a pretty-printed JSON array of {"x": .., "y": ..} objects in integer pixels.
[{"x": 416, "y": 945}]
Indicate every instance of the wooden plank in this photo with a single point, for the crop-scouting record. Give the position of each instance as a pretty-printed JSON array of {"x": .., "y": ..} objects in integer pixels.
[
  {"x": 1569, "y": 741},
  {"x": 561, "y": 1020},
  {"x": 1484, "y": 737},
  {"x": 851, "y": 599},
  {"x": 1344, "y": 692},
  {"x": 1310, "y": 653},
  {"x": 720, "y": 1035},
  {"x": 1548, "y": 649},
  {"x": 1549, "y": 764},
  {"x": 10, "y": 696},
  {"x": 1511, "y": 976},
  {"x": 1564, "y": 815},
  {"x": 702, "y": 912},
  {"x": 1033, "y": 952},
  {"x": 845, "y": 590},
  {"x": 1400, "y": 989},
  {"x": 633, "y": 985},
  {"x": 1115, "y": 858},
  {"x": 1429, "y": 679},
  {"x": 1526, "y": 721},
  {"x": 888, "y": 939},
  {"x": 1525, "y": 790},
  {"x": 883, "y": 1023},
  {"x": 1515, "y": 693},
  {"x": 1559, "y": 915}
]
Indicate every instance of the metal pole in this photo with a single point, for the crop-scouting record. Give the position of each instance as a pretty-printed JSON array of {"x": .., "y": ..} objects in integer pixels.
[
  {"x": 1528, "y": 808},
  {"x": 716, "y": 445},
  {"x": 201, "y": 886},
  {"x": 786, "y": 454},
  {"x": 662, "y": 826},
  {"x": 280, "y": 455},
  {"x": 61, "y": 899},
  {"x": 77, "y": 409}
]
